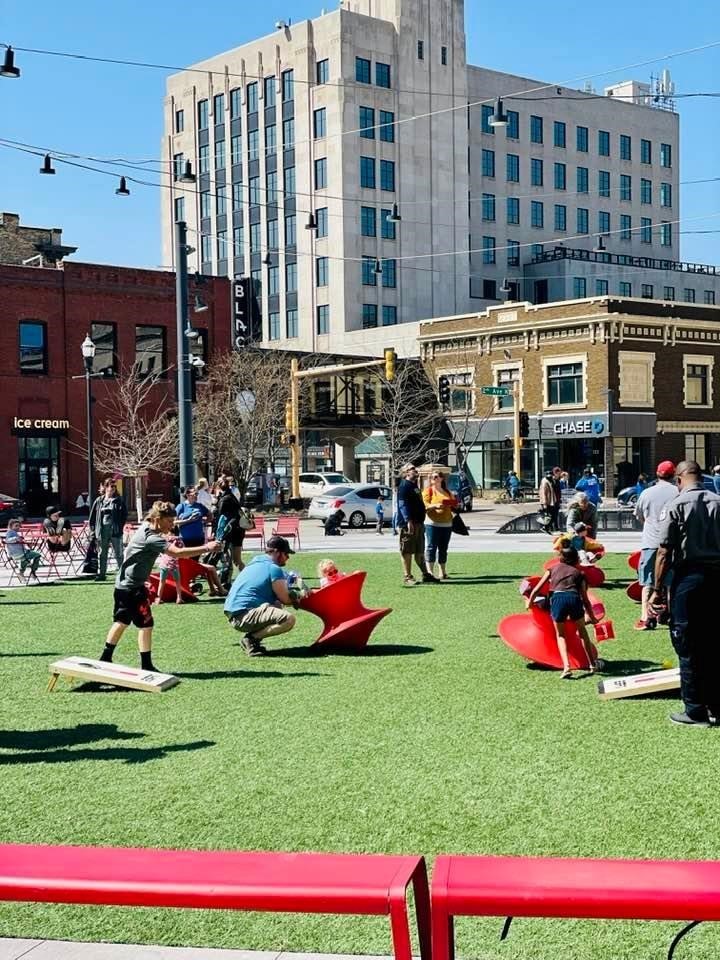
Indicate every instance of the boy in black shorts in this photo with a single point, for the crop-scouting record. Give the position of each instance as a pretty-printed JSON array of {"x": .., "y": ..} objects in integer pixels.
[{"x": 131, "y": 602}]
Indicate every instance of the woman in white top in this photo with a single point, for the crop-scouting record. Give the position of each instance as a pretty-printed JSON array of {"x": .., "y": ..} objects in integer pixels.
[{"x": 203, "y": 494}]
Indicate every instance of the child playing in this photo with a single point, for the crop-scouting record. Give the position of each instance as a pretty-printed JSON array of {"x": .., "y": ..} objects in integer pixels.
[
  {"x": 328, "y": 573},
  {"x": 568, "y": 602},
  {"x": 15, "y": 545},
  {"x": 379, "y": 514},
  {"x": 169, "y": 566},
  {"x": 589, "y": 550}
]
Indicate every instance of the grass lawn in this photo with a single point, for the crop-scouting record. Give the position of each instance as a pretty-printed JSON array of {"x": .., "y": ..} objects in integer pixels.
[{"x": 439, "y": 739}]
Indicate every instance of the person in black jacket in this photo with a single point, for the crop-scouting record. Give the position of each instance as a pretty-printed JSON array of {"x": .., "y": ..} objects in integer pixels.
[
  {"x": 108, "y": 516},
  {"x": 411, "y": 523},
  {"x": 229, "y": 508}
]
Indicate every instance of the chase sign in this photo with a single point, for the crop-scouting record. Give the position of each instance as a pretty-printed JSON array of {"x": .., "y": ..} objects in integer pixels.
[{"x": 591, "y": 427}]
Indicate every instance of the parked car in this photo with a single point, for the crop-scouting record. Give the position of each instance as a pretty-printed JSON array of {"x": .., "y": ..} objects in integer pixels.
[
  {"x": 11, "y": 509},
  {"x": 459, "y": 484},
  {"x": 312, "y": 484},
  {"x": 628, "y": 496},
  {"x": 357, "y": 501}
]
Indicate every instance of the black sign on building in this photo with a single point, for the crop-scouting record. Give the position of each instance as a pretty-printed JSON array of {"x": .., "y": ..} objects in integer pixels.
[{"x": 247, "y": 318}]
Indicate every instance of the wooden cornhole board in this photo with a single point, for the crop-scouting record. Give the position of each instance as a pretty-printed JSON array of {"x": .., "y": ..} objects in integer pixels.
[
  {"x": 115, "y": 674},
  {"x": 639, "y": 684}
]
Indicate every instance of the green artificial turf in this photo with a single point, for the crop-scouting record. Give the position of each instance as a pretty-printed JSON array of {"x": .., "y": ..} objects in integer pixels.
[{"x": 438, "y": 739}]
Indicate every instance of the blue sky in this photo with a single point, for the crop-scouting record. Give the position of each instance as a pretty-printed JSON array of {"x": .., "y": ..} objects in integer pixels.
[{"x": 105, "y": 110}]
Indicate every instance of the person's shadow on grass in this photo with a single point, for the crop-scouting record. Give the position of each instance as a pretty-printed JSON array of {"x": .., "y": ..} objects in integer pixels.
[
  {"x": 248, "y": 675},
  {"x": 63, "y": 736},
  {"x": 371, "y": 650}
]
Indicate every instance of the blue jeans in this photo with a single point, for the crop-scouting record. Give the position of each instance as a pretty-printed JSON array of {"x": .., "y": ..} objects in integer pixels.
[
  {"x": 436, "y": 543},
  {"x": 693, "y": 607}
]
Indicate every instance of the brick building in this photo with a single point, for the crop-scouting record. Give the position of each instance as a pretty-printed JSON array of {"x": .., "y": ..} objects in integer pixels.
[
  {"x": 616, "y": 383},
  {"x": 130, "y": 315},
  {"x": 35, "y": 246}
]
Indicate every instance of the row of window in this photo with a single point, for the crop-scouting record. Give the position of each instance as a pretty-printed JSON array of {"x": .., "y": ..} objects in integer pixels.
[
  {"x": 421, "y": 52},
  {"x": 536, "y": 131},
  {"x": 368, "y": 180},
  {"x": 322, "y": 320},
  {"x": 252, "y": 95},
  {"x": 368, "y": 223},
  {"x": 363, "y": 72},
  {"x": 385, "y": 126},
  {"x": 582, "y": 220},
  {"x": 647, "y": 291}
]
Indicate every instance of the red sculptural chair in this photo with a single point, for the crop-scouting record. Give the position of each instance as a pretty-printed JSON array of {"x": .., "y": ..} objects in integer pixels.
[
  {"x": 634, "y": 590},
  {"x": 346, "y": 622},
  {"x": 594, "y": 576},
  {"x": 189, "y": 570}
]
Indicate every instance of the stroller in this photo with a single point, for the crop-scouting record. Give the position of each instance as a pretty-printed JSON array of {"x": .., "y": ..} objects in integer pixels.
[
  {"x": 220, "y": 559},
  {"x": 332, "y": 524}
]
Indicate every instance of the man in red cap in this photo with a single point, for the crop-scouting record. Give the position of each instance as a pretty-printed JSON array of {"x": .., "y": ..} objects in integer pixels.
[{"x": 650, "y": 504}]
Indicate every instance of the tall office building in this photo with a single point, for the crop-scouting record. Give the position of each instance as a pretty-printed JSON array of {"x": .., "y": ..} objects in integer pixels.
[{"x": 372, "y": 109}]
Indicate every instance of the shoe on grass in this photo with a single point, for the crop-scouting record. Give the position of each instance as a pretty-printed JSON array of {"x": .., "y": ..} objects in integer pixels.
[
  {"x": 252, "y": 647},
  {"x": 684, "y": 719},
  {"x": 429, "y": 578},
  {"x": 645, "y": 624},
  {"x": 409, "y": 581}
]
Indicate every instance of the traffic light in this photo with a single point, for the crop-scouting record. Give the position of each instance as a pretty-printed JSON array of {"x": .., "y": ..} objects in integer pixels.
[
  {"x": 524, "y": 423},
  {"x": 444, "y": 391},
  {"x": 289, "y": 417},
  {"x": 390, "y": 358}
]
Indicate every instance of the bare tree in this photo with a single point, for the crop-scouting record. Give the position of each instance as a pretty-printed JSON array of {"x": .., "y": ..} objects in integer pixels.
[
  {"x": 409, "y": 414},
  {"x": 136, "y": 433}
]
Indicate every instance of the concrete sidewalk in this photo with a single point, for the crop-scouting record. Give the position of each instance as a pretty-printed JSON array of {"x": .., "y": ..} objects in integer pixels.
[{"x": 11, "y": 949}]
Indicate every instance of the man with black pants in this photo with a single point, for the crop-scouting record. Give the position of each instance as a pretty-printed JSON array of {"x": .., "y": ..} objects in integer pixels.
[
  {"x": 411, "y": 524},
  {"x": 690, "y": 547}
]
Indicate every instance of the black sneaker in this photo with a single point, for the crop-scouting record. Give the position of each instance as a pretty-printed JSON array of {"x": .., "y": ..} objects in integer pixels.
[
  {"x": 253, "y": 648},
  {"x": 683, "y": 718},
  {"x": 429, "y": 578}
]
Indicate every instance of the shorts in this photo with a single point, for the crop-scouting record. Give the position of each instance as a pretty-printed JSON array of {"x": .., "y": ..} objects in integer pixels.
[
  {"x": 132, "y": 606},
  {"x": 566, "y": 605},
  {"x": 236, "y": 537},
  {"x": 58, "y": 547},
  {"x": 412, "y": 543},
  {"x": 250, "y": 621},
  {"x": 646, "y": 567}
]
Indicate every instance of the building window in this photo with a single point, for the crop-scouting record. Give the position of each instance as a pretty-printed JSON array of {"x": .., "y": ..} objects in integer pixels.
[
  {"x": 488, "y": 249},
  {"x": 238, "y": 242},
  {"x": 219, "y": 108},
  {"x": 179, "y": 209},
  {"x": 645, "y": 191},
  {"x": 321, "y": 219},
  {"x": 536, "y": 213},
  {"x": 487, "y": 112},
  {"x": 323, "y": 318},
  {"x": 625, "y": 288},
  {"x": 322, "y": 71},
  {"x": 513, "y": 127},
  {"x": 321, "y": 173},
  {"x": 512, "y": 168},
  {"x": 665, "y": 234},
  {"x": 582, "y": 220},
  {"x": 443, "y": 56},
  {"x": 177, "y": 166},
  {"x": 536, "y": 129},
  {"x": 559, "y": 134},
  {"x": 583, "y": 183},
  {"x": 696, "y": 448},
  {"x": 271, "y": 187},
  {"x": 489, "y": 289},
  {"x": 603, "y": 222},
  {"x": 626, "y": 187},
  {"x": 387, "y": 126},
  {"x": 203, "y": 109},
  {"x": 235, "y": 103},
  {"x": 320, "y": 123},
  {"x": 150, "y": 355},
  {"x": 582, "y": 139},
  {"x": 387, "y": 226},
  {"x": 603, "y": 143},
  {"x": 367, "y": 173},
  {"x": 362, "y": 70},
  {"x": 179, "y": 121},
  {"x": 204, "y": 158},
  {"x": 290, "y": 230},
  {"x": 274, "y": 285},
  {"x": 709, "y": 297},
  {"x": 287, "y": 82},
  {"x": 291, "y": 278},
  {"x": 601, "y": 288},
  {"x": 270, "y": 139},
  {"x": 603, "y": 183},
  {"x": 389, "y": 315},
  {"x": 289, "y": 133},
  {"x": 645, "y": 151},
  {"x": 668, "y": 293},
  {"x": 665, "y": 194},
  {"x": 369, "y": 315},
  {"x": 219, "y": 154},
  {"x": 255, "y": 243},
  {"x": 513, "y": 253},
  {"x": 646, "y": 291},
  {"x": 689, "y": 295},
  {"x": 560, "y": 176},
  {"x": 236, "y": 149},
  {"x": 625, "y": 147},
  {"x": 387, "y": 175},
  {"x": 33, "y": 347},
  {"x": 272, "y": 235},
  {"x": 645, "y": 230},
  {"x": 698, "y": 377},
  {"x": 625, "y": 227},
  {"x": 560, "y": 217},
  {"x": 368, "y": 222},
  {"x": 536, "y": 250},
  {"x": 565, "y": 383},
  {"x": 488, "y": 206},
  {"x": 512, "y": 205},
  {"x": 382, "y": 74},
  {"x": 251, "y": 98},
  {"x": 221, "y": 199},
  {"x": 206, "y": 248},
  {"x": 104, "y": 336},
  {"x": 369, "y": 277},
  {"x": 665, "y": 155},
  {"x": 579, "y": 288},
  {"x": 274, "y": 326},
  {"x": 254, "y": 185},
  {"x": 321, "y": 272},
  {"x": 421, "y": 50},
  {"x": 389, "y": 273},
  {"x": 291, "y": 324},
  {"x": 269, "y": 92},
  {"x": 367, "y": 123},
  {"x": 536, "y": 172},
  {"x": 205, "y": 204},
  {"x": 488, "y": 163},
  {"x": 253, "y": 145}
]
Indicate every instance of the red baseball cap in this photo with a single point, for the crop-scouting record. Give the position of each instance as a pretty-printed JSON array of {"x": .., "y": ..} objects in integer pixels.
[{"x": 666, "y": 469}]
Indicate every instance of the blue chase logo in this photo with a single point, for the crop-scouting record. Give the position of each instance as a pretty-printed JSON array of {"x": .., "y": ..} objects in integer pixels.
[{"x": 598, "y": 426}]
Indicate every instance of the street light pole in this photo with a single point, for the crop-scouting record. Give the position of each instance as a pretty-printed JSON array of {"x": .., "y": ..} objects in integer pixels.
[
  {"x": 184, "y": 388},
  {"x": 88, "y": 351},
  {"x": 539, "y": 419}
]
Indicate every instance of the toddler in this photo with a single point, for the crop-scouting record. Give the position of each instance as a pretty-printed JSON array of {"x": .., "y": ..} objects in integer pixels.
[
  {"x": 169, "y": 567},
  {"x": 379, "y": 514},
  {"x": 328, "y": 573},
  {"x": 15, "y": 545},
  {"x": 589, "y": 550}
]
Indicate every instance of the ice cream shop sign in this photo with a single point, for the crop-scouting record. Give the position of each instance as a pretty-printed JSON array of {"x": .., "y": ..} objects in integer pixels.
[{"x": 23, "y": 426}]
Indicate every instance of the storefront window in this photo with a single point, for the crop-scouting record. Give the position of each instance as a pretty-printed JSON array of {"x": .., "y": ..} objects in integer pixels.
[
  {"x": 696, "y": 447},
  {"x": 564, "y": 384},
  {"x": 38, "y": 471}
]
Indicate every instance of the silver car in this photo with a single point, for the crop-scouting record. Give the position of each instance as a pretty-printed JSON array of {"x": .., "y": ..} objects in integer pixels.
[{"x": 357, "y": 502}]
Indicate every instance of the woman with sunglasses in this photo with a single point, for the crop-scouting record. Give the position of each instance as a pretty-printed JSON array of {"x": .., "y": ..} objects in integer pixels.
[{"x": 439, "y": 505}]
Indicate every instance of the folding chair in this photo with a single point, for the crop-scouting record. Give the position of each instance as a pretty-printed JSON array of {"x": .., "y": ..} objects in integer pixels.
[
  {"x": 288, "y": 527},
  {"x": 257, "y": 531}
]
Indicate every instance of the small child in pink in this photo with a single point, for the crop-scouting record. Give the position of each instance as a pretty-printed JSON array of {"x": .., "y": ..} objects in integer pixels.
[
  {"x": 328, "y": 573},
  {"x": 169, "y": 566}
]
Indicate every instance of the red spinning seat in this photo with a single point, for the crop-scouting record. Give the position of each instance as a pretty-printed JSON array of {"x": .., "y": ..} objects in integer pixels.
[
  {"x": 634, "y": 560},
  {"x": 189, "y": 569},
  {"x": 346, "y": 622},
  {"x": 594, "y": 576}
]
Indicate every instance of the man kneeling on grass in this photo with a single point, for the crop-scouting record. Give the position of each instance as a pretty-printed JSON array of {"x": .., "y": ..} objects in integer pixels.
[{"x": 255, "y": 603}]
